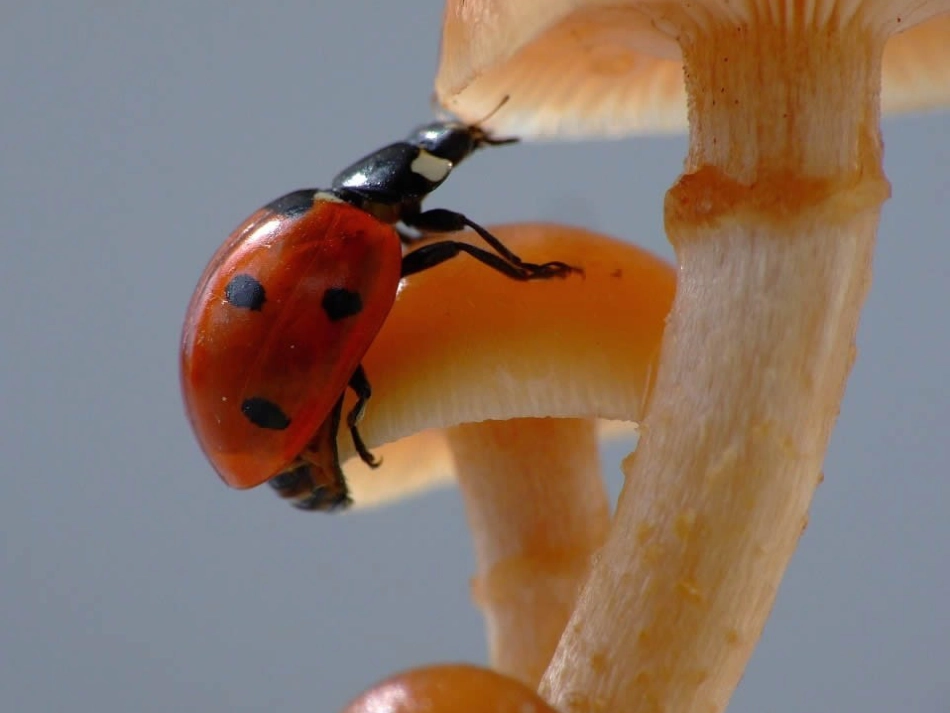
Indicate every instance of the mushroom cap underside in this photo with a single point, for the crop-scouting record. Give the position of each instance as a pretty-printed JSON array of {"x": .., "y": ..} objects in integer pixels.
[{"x": 575, "y": 69}]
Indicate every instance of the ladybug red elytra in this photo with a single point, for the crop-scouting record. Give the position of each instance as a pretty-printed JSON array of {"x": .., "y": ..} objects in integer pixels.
[{"x": 290, "y": 303}]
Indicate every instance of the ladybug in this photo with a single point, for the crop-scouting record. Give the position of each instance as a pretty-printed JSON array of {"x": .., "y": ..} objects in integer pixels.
[{"x": 290, "y": 303}]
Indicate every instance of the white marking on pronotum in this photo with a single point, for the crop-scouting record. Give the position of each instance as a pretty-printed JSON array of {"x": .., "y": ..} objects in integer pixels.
[
  {"x": 328, "y": 197},
  {"x": 432, "y": 168}
]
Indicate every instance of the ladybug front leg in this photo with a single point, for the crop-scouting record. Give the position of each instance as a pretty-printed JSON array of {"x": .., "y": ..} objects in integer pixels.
[
  {"x": 360, "y": 384},
  {"x": 439, "y": 220},
  {"x": 434, "y": 253}
]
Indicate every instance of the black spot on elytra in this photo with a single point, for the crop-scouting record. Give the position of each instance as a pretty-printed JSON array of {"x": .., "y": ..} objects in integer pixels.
[
  {"x": 293, "y": 204},
  {"x": 340, "y": 303},
  {"x": 245, "y": 292},
  {"x": 264, "y": 413}
]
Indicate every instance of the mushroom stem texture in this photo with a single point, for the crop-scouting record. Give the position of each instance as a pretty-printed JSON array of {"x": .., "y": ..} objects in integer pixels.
[
  {"x": 773, "y": 223},
  {"x": 538, "y": 510}
]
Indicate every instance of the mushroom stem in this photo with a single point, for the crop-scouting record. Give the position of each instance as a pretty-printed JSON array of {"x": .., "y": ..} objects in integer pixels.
[
  {"x": 538, "y": 510},
  {"x": 774, "y": 225}
]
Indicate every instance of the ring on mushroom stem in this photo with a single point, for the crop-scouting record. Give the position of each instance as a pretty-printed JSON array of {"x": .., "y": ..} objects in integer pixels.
[{"x": 288, "y": 305}]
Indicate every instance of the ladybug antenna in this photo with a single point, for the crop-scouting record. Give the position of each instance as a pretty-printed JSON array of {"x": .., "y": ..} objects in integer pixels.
[
  {"x": 489, "y": 115},
  {"x": 441, "y": 112},
  {"x": 488, "y": 139},
  {"x": 444, "y": 114}
]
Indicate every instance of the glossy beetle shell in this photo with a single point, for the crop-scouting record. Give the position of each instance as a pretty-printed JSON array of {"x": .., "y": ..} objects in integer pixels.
[{"x": 277, "y": 325}]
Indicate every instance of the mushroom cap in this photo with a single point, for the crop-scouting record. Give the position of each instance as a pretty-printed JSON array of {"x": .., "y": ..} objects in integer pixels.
[
  {"x": 449, "y": 688},
  {"x": 465, "y": 344},
  {"x": 574, "y": 68}
]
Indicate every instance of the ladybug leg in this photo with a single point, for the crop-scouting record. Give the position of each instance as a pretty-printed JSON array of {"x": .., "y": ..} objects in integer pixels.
[
  {"x": 439, "y": 220},
  {"x": 434, "y": 253},
  {"x": 360, "y": 384},
  {"x": 314, "y": 481}
]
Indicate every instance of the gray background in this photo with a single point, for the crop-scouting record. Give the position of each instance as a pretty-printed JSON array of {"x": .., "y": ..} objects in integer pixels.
[{"x": 133, "y": 140}]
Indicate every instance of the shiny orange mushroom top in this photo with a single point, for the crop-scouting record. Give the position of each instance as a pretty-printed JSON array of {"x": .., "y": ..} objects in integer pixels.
[{"x": 449, "y": 688}]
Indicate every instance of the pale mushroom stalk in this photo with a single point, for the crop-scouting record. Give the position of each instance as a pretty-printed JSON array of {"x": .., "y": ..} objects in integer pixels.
[
  {"x": 774, "y": 224},
  {"x": 538, "y": 510}
]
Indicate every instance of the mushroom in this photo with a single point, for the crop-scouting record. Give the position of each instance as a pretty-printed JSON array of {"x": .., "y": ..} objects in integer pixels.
[
  {"x": 595, "y": 69},
  {"x": 773, "y": 222},
  {"x": 501, "y": 382},
  {"x": 449, "y": 688}
]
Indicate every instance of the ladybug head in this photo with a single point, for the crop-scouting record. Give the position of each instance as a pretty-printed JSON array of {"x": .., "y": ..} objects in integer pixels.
[{"x": 453, "y": 140}]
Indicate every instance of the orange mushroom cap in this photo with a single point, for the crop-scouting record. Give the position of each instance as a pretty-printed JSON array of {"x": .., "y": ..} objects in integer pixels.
[
  {"x": 449, "y": 688},
  {"x": 464, "y": 344}
]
